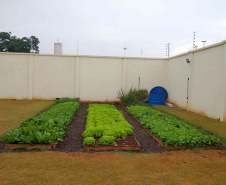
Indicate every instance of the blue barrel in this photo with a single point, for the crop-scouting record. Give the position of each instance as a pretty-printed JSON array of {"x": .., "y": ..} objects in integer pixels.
[
  {"x": 159, "y": 90},
  {"x": 156, "y": 99},
  {"x": 157, "y": 96}
]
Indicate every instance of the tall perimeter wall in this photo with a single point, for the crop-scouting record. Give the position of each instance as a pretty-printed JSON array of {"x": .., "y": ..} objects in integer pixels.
[
  {"x": 198, "y": 86},
  {"x": 92, "y": 78}
]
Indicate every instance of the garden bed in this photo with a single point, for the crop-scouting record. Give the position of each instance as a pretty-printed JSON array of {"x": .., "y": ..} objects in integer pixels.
[
  {"x": 170, "y": 148},
  {"x": 107, "y": 129},
  {"x": 43, "y": 131},
  {"x": 129, "y": 143}
]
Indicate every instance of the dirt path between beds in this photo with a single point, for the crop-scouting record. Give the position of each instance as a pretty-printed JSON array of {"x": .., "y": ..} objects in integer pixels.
[
  {"x": 148, "y": 144},
  {"x": 73, "y": 141}
]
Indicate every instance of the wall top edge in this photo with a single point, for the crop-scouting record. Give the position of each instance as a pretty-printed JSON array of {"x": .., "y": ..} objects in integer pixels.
[
  {"x": 85, "y": 56},
  {"x": 200, "y": 49}
]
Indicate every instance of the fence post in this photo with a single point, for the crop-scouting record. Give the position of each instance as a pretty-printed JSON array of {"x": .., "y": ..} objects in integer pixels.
[
  {"x": 223, "y": 101},
  {"x": 30, "y": 76},
  {"x": 124, "y": 74},
  {"x": 77, "y": 77}
]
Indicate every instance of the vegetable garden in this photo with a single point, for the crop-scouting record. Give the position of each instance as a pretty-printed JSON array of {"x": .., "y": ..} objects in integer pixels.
[{"x": 106, "y": 127}]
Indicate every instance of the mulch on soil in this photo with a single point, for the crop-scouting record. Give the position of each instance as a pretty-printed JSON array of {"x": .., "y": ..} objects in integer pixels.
[
  {"x": 73, "y": 141},
  {"x": 148, "y": 144}
]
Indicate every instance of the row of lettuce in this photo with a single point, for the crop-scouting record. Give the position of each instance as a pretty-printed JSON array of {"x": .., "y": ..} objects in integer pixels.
[
  {"x": 170, "y": 130},
  {"x": 46, "y": 128},
  {"x": 104, "y": 121}
]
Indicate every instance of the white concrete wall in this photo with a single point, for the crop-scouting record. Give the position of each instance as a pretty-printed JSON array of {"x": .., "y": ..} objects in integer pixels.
[
  {"x": 207, "y": 81},
  {"x": 54, "y": 76},
  {"x": 151, "y": 72},
  {"x": 178, "y": 74},
  {"x": 14, "y": 73},
  {"x": 92, "y": 78},
  {"x": 100, "y": 78}
]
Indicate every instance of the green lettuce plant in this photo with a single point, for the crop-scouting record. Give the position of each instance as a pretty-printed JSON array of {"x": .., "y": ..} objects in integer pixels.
[{"x": 170, "y": 130}]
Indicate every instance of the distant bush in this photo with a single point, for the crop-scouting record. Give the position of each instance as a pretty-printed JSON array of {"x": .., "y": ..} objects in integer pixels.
[
  {"x": 133, "y": 96},
  {"x": 62, "y": 100}
]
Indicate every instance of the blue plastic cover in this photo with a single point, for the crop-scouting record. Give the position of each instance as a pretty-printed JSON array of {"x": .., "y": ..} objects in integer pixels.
[{"x": 159, "y": 90}]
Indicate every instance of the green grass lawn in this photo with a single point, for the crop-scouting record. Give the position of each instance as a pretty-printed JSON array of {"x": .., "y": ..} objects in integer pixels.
[
  {"x": 13, "y": 112},
  {"x": 212, "y": 126},
  {"x": 187, "y": 168}
]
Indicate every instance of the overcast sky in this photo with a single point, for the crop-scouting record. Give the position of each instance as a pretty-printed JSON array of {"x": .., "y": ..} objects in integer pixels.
[{"x": 102, "y": 27}]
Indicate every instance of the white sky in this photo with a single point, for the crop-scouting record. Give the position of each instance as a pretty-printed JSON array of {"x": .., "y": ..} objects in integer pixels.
[{"x": 103, "y": 26}]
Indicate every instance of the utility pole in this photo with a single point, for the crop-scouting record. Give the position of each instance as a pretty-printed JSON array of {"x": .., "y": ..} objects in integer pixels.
[
  {"x": 125, "y": 48},
  {"x": 77, "y": 47},
  {"x": 141, "y": 52},
  {"x": 168, "y": 50},
  {"x": 32, "y": 51},
  {"x": 194, "y": 47},
  {"x": 203, "y": 43}
]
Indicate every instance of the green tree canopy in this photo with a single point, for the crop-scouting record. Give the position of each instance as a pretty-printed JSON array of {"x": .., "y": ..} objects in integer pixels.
[{"x": 10, "y": 43}]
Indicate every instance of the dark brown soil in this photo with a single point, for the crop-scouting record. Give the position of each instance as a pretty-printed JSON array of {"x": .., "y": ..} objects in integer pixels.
[
  {"x": 2, "y": 145},
  {"x": 127, "y": 141},
  {"x": 148, "y": 144},
  {"x": 73, "y": 141}
]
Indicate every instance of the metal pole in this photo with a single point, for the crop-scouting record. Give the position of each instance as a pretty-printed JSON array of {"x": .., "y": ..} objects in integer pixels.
[
  {"x": 194, "y": 41},
  {"x": 168, "y": 50},
  {"x": 203, "y": 43},
  {"x": 77, "y": 47},
  {"x": 125, "y": 50}
]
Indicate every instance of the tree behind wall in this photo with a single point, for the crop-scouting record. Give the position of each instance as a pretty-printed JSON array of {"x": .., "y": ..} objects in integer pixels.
[{"x": 9, "y": 43}]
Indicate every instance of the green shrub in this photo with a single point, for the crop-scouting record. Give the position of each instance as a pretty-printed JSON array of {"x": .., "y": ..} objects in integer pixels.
[
  {"x": 89, "y": 141},
  {"x": 63, "y": 100},
  {"x": 133, "y": 96},
  {"x": 107, "y": 140}
]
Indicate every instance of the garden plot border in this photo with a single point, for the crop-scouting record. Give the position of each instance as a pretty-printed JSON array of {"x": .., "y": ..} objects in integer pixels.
[
  {"x": 30, "y": 146},
  {"x": 170, "y": 148},
  {"x": 136, "y": 148}
]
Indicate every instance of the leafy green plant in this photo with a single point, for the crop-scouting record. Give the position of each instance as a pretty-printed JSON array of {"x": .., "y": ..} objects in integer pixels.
[
  {"x": 89, "y": 141},
  {"x": 170, "y": 130},
  {"x": 107, "y": 140},
  {"x": 63, "y": 100},
  {"x": 46, "y": 128},
  {"x": 133, "y": 96},
  {"x": 106, "y": 120}
]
